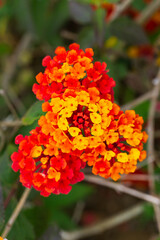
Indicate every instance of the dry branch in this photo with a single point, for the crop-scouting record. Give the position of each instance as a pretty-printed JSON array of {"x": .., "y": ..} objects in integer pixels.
[
  {"x": 120, "y": 8},
  {"x": 148, "y": 12},
  {"x": 105, "y": 224},
  {"x": 151, "y": 132},
  {"x": 121, "y": 188},
  {"x": 138, "y": 101},
  {"x": 15, "y": 213}
]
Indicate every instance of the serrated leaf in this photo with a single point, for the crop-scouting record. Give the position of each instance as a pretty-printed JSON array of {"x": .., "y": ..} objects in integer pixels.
[
  {"x": 80, "y": 12},
  {"x": 34, "y": 113},
  {"x": 128, "y": 31}
]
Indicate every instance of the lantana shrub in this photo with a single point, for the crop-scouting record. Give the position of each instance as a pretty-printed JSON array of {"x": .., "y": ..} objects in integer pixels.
[{"x": 81, "y": 125}]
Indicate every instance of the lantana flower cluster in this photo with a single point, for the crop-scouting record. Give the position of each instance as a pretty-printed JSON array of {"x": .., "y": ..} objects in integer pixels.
[{"x": 81, "y": 125}]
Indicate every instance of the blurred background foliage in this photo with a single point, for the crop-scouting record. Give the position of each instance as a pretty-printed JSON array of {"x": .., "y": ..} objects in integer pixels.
[{"x": 32, "y": 29}]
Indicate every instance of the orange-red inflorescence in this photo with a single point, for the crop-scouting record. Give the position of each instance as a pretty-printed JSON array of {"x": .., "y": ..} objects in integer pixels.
[
  {"x": 82, "y": 124},
  {"x": 44, "y": 166},
  {"x": 72, "y": 69}
]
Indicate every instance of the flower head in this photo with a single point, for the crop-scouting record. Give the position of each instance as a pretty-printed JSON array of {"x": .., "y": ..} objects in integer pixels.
[
  {"x": 81, "y": 125},
  {"x": 72, "y": 69},
  {"x": 122, "y": 147},
  {"x": 44, "y": 166}
]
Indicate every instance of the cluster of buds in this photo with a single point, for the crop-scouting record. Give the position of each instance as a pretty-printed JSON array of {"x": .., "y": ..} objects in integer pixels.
[{"x": 81, "y": 125}]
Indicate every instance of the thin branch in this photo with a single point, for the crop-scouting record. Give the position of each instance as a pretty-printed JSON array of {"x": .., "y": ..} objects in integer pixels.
[
  {"x": 13, "y": 60},
  {"x": 138, "y": 101},
  {"x": 11, "y": 66},
  {"x": 148, "y": 12},
  {"x": 15, "y": 123},
  {"x": 120, "y": 8},
  {"x": 69, "y": 35},
  {"x": 15, "y": 213},
  {"x": 121, "y": 188},
  {"x": 78, "y": 211},
  {"x": 9, "y": 103},
  {"x": 151, "y": 128},
  {"x": 151, "y": 131},
  {"x": 140, "y": 177},
  {"x": 11, "y": 194},
  {"x": 105, "y": 224}
]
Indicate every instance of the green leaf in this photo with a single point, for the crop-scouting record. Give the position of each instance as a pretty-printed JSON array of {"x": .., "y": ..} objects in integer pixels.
[
  {"x": 80, "y": 12},
  {"x": 22, "y": 229},
  {"x": 128, "y": 31},
  {"x": 1, "y": 209},
  {"x": 148, "y": 213},
  {"x": 86, "y": 37},
  {"x": 5, "y": 10},
  {"x": 139, "y": 4},
  {"x": 57, "y": 17},
  {"x": 24, "y": 130},
  {"x": 34, "y": 113},
  {"x": 78, "y": 192},
  {"x": 99, "y": 18},
  {"x": 39, "y": 10},
  {"x": 22, "y": 13},
  {"x": 7, "y": 175},
  {"x": 39, "y": 218},
  {"x": 143, "y": 109},
  {"x": 63, "y": 220},
  {"x": 128, "y": 95},
  {"x": 4, "y": 48}
]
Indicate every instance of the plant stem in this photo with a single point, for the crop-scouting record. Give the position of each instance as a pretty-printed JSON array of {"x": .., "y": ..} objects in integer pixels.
[
  {"x": 15, "y": 213},
  {"x": 122, "y": 188}
]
